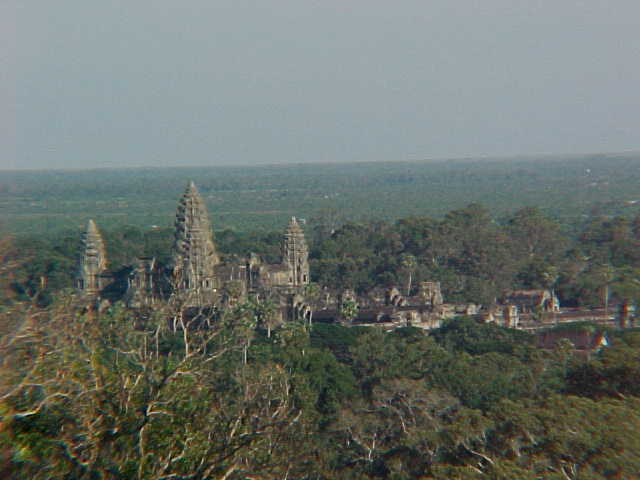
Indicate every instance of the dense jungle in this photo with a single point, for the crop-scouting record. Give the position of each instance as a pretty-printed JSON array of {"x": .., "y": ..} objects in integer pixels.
[{"x": 120, "y": 394}]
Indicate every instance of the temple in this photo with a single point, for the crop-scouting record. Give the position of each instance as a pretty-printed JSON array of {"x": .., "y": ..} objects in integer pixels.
[
  {"x": 196, "y": 277},
  {"x": 92, "y": 269},
  {"x": 195, "y": 259}
]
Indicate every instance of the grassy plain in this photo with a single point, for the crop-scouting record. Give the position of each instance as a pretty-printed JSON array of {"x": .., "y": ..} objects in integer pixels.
[{"x": 569, "y": 189}]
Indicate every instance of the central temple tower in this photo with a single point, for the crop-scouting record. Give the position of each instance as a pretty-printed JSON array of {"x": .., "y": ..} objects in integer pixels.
[
  {"x": 93, "y": 262},
  {"x": 194, "y": 253},
  {"x": 295, "y": 254}
]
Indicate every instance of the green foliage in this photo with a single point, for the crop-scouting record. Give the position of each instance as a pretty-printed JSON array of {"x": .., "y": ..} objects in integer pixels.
[
  {"x": 90, "y": 396},
  {"x": 332, "y": 381},
  {"x": 474, "y": 255},
  {"x": 336, "y": 338},
  {"x": 348, "y": 310},
  {"x": 613, "y": 372},
  {"x": 118, "y": 395},
  {"x": 464, "y": 334},
  {"x": 257, "y": 198},
  {"x": 567, "y": 436},
  {"x": 482, "y": 380}
]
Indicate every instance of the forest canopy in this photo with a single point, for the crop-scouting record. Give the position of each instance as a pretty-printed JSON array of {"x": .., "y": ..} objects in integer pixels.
[
  {"x": 116, "y": 393},
  {"x": 474, "y": 255},
  {"x": 119, "y": 395}
]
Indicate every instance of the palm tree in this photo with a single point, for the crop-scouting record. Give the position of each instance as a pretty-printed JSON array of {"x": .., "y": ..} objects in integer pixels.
[
  {"x": 409, "y": 263},
  {"x": 607, "y": 274},
  {"x": 266, "y": 314}
]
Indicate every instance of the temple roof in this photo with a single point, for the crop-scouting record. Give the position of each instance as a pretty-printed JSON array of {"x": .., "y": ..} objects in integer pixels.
[
  {"x": 94, "y": 256},
  {"x": 194, "y": 249},
  {"x": 92, "y": 228}
]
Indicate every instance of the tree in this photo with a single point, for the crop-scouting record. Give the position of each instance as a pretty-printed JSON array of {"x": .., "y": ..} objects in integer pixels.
[
  {"x": 241, "y": 323},
  {"x": 409, "y": 263},
  {"x": 265, "y": 313},
  {"x": 626, "y": 286},
  {"x": 478, "y": 251},
  {"x": 9, "y": 262},
  {"x": 90, "y": 396},
  {"x": 605, "y": 275},
  {"x": 348, "y": 310},
  {"x": 535, "y": 235},
  {"x": 417, "y": 236}
]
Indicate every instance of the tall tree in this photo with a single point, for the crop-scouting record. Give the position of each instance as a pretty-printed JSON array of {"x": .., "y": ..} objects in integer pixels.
[{"x": 90, "y": 396}]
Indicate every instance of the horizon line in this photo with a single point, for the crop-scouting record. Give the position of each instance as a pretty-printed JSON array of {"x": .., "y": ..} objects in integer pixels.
[{"x": 522, "y": 156}]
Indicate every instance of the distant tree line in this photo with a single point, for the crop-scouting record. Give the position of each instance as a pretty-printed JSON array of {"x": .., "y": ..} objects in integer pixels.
[
  {"x": 474, "y": 256},
  {"x": 246, "y": 198}
]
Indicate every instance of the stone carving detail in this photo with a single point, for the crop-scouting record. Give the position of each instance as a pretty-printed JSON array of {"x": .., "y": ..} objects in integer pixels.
[
  {"x": 196, "y": 276},
  {"x": 93, "y": 261},
  {"x": 295, "y": 254},
  {"x": 198, "y": 280},
  {"x": 141, "y": 289},
  {"x": 194, "y": 254},
  {"x": 431, "y": 293}
]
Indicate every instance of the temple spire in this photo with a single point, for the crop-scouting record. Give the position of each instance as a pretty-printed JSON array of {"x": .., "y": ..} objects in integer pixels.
[
  {"x": 93, "y": 261},
  {"x": 92, "y": 229},
  {"x": 295, "y": 254},
  {"x": 194, "y": 253}
]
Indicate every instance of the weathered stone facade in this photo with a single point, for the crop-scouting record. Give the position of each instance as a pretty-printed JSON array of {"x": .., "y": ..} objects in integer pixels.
[
  {"x": 390, "y": 309},
  {"x": 92, "y": 269},
  {"x": 196, "y": 275},
  {"x": 194, "y": 254},
  {"x": 532, "y": 301},
  {"x": 295, "y": 255}
]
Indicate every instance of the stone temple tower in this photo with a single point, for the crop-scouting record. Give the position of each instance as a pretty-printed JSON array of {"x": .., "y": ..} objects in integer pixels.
[
  {"x": 194, "y": 254},
  {"x": 295, "y": 254},
  {"x": 93, "y": 261}
]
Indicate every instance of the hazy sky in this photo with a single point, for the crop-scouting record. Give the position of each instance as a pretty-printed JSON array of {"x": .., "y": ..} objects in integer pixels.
[{"x": 208, "y": 82}]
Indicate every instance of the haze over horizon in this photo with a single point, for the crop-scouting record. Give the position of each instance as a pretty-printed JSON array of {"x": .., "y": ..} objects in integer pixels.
[{"x": 116, "y": 84}]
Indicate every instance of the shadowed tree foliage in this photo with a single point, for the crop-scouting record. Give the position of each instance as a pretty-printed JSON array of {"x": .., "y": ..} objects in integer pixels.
[
  {"x": 119, "y": 394},
  {"x": 157, "y": 394},
  {"x": 90, "y": 396}
]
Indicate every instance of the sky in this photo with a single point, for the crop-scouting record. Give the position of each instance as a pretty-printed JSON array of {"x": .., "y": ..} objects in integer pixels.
[{"x": 88, "y": 83}]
